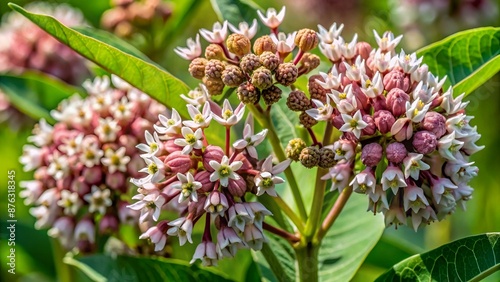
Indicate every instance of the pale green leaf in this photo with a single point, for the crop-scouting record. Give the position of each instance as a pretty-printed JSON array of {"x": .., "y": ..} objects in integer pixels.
[{"x": 235, "y": 11}]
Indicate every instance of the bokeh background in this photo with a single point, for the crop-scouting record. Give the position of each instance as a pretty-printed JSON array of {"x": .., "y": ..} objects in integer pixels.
[{"x": 421, "y": 21}]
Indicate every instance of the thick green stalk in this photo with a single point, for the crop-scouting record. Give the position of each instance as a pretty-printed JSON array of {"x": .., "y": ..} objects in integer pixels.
[
  {"x": 278, "y": 150},
  {"x": 64, "y": 271},
  {"x": 289, "y": 212},
  {"x": 307, "y": 263}
]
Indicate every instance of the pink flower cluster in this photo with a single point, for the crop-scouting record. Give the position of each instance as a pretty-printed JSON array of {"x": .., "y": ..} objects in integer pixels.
[
  {"x": 82, "y": 164},
  {"x": 414, "y": 138},
  {"x": 210, "y": 181}
]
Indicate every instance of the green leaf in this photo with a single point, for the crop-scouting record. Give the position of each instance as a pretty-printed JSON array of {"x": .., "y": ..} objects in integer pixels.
[
  {"x": 469, "y": 58},
  {"x": 235, "y": 11},
  {"x": 276, "y": 260},
  {"x": 35, "y": 94},
  {"x": 145, "y": 76},
  {"x": 122, "y": 268},
  {"x": 284, "y": 121},
  {"x": 348, "y": 242},
  {"x": 468, "y": 259}
]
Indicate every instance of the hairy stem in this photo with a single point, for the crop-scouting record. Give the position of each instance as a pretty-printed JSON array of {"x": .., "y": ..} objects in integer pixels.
[{"x": 337, "y": 208}]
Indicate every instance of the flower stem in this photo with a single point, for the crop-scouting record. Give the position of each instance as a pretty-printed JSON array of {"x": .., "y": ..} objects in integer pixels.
[
  {"x": 228, "y": 139},
  {"x": 278, "y": 150},
  {"x": 280, "y": 232},
  {"x": 64, "y": 271},
  {"x": 307, "y": 262},
  {"x": 289, "y": 212},
  {"x": 298, "y": 57},
  {"x": 334, "y": 212}
]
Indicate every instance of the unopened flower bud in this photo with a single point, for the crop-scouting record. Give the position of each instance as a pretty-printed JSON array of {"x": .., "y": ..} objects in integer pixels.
[
  {"x": 371, "y": 154},
  {"x": 238, "y": 44},
  {"x": 263, "y": 44},
  {"x": 315, "y": 90},
  {"x": 178, "y": 162},
  {"x": 298, "y": 101},
  {"x": 232, "y": 76},
  {"x": 384, "y": 121},
  {"x": 246, "y": 163},
  {"x": 306, "y": 39},
  {"x": 294, "y": 148},
  {"x": 204, "y": 178},
  {"x": 396, "y": 152},
  {"x": 92, "y": 175},
  {"x": 309, "y": 157},
  {"x": 197, "y": 68},
  {"x": 116, "y": 181},
  {"x": 215, "y": 86},
  {"x": 216, "y": 203},
  {"x": 363, "y": 49},
  {"x": 271, "y": 95},
  {"x": 306, "y": 120},
  {"x": 371, "y": 128},
  {"x": 237, "y": 187},
  {"x": 327, "y": 158},
  {"x": 249, "y": 63},
  {"x": 435, "y": 123},
  {"x": 424, "y": 142},
  {"x": 170, "y": 146},
  {"x": 80, "y": 186},
  {"x": 309, "y": 62},
  {"x": 212, "y": 153},
  {"x": 396, "y": 101},
  {"x": 214, "y": 69},
  {"x": 248, "y": 93},
  {"x": 262, "y": 78},
  {"x": 396, "y": 79},
  {"x": 214, "y": 52},
  {"x": 108, "y": 224},
  {"x": 362, "y": 101},
  {"x": 286, "y": 74},
  {"x": 269, "y": 60}
]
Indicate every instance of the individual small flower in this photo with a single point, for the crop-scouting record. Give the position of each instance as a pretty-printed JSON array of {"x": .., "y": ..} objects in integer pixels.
[
  {"x": 98, "y": 199},
  {"x": 42, "y": 134},
  {"x": 409, "y": 63},
  {"x": 449, "y": 147},
  {"x": 344, "y": 150},
  {"x": 271, "y": 19},
  {"x": 353, "y": 124},
  {"x": 188, "y": 187},
  {"x": 107, "y": 129},
  {"x": 372, "y": 88},
  {"x": 328, "y": 36},
  {"x": 414, "y": 198},
  {"x": 254, "y": 237},
  {"x": 250, "y": 140},
  {"x": 339, "y": 174},
  {"x": 70, "y": 201},
  {"x": 413, "y": 164},
  {"x": 182, "y": 228},
  {"x": 223, "y": 171},
  {"x": 321, "y": 111},
  {"x": 228, "y": 242},
  {"x": 239, "y": 216},
  {"x": 226, "y": 116},
  {"x": 58, "y": 166},
  {"x": 155, "y": 169},
  {"x": 154, "y": 145},
  {"x": 192, "y": 51},
  {"x": 207, "y": 253},
  {"x": 348, "y": 49},
  {"x": 196, "y": 97},
  {"x": 387, "y": 43},
  {"x": 217, "y": 35},
  {"x": 267, "y": 178},
  {"x": 171, "y": 126},
  {"x": 149, "y": 204},
  {"x": 440, "y": 186},
  {"x": 199, "y": 119},
  {"x": 31, "y": 158},
  {"x": 393, "y": 178},
  {"x": 244, "y": 29},
  {"x": 285, "y": 43},
  {"x": 157, "y": 235},
  {"x": 364, "y": 182},
  {"x": 84, "y": 230},
  {"x": 115, "y": 160},
  {"x": 216, "y": 203},
  {"x": 191, "y": 140}
]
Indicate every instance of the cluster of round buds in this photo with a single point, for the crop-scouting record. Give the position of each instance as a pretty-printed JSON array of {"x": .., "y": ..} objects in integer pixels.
[
  {"x": 127, "y": 16},
  {"x": 82, "y": 165},
  {"x": 230, "y": 62},
  {"x": 394, "y": 117},
  {"x": 211, "y": 181}
]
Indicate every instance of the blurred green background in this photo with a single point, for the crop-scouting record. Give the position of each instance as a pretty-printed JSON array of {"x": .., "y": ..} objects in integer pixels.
[{"x": 33, "y": 247}]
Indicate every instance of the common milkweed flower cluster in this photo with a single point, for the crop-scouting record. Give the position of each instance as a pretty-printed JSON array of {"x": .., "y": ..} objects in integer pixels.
[{"x": 83, "y": 163}]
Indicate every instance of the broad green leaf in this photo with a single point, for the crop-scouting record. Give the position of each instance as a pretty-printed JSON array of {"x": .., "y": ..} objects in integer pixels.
[
  {"x": 348, "y": 242},
  {"x": 276, "y": 260},
  {"x": 235, "y": 11},
  {"x": 122, "y": 268},
  {"x": 145, "y": 76},
  {"x": 35, "y": 94},
  {"x": 468, "y": 259},
  {"x": 469, "y": 58},
  {"x": 284, "y": 121}
]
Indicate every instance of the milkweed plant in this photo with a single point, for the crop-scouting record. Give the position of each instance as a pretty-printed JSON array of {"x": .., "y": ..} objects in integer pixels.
[{"x": 212, "y": 168}]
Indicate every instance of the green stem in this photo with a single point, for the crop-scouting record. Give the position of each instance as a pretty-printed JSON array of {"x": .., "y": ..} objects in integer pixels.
[
  {"x": 307, "y": 262},
  {"x": 289, "y": 212},
  {"x": 64, "y": 271},
  {"x": 486, "y": 273},
  {"x": 334, "y": 212},
  {"x": 278, "y": 150}
]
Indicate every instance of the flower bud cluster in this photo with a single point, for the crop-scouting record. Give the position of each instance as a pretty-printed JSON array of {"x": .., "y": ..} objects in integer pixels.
[
  {"x": 209, "y": 181},
  {"x": 127, "y": 16},
  {"x": 230, "y": 62},
  {"x": 394, "y": 115},
  {"x": 82, "y": 165}
]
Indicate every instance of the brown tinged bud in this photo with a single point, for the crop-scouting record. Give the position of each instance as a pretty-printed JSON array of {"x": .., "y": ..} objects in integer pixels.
[
  {"x": 396, "y": 101},
  {"x": 396, "y": 152},
  {"x": 308, "y": 63},
  {"x": 363, "y": 49},
  {"x": 298, "y": 101},
  {"x": 238, "y": 44},
  {"x": 197, "y": 68},
  {"x": 435, "y": 123},
  {"x": 294, "y": 148},
  {"x": 246, "y": 163},
  {"x": 249, "y": 63},
  {"x": 371, "y": 128},
  {"x": 286, "y": 74},
  {"x": 371, "y": 154},
  {"x": 271, "y": 95},
  {"x": 238, "y": 187},
  {"x": 177, "y": 162},
  {"x": 384, "y": 121},
  {"x": 269, "y": 60},
  {"x": 306, "y": 120},
  {"x": 232, "y": 76},
  {"x": 214, "y": 52},
  {"x": 396, "y": 79},
  {"x": 212, "y": 153},
  {"x": 263, "y": 44},
  {"x": 262, "y": 78},
  {"x": 327, "y": 158},
  {"x": 214, "y": 69},
  {"x": 315, "y": 90},
  {"x": 204, "y": 178},
  {"x": 306, "y": 39},
  {"x": 215, "y": 86},
  {"x": 424, "y": 142},
  {"x": 248, "y": 93},
  {"x": 310, "y": 157},
  {"x": 108, "y": 224}
]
